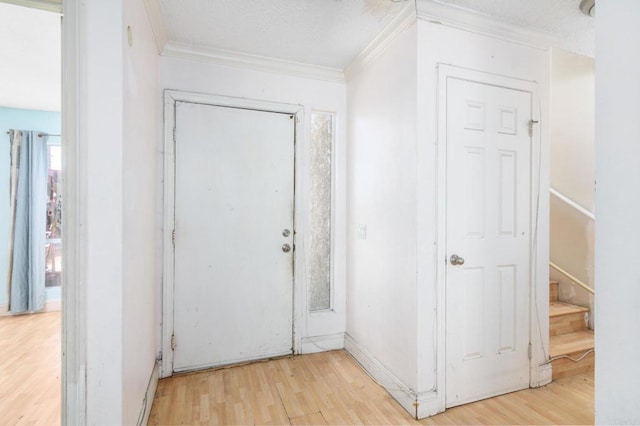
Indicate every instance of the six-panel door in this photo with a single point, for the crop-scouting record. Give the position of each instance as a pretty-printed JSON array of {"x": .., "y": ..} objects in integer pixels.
[{"x": 488, "y": 226}]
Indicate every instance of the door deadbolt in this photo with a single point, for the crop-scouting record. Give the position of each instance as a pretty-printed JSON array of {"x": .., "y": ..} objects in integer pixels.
[
  {"x": 456, "y": 260},
  {"x": 286, "y": 248},
  {"x": 286, "y": 233}
]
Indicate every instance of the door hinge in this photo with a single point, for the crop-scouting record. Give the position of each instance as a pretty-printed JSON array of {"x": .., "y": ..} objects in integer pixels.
[
  {"x": 531, "y": 123},
  {"x": 174, "y": 135},
  {"x": 173, "y": 237},
  {"x": 173, "y": 342},
  {"x": 530, "y": 351}
]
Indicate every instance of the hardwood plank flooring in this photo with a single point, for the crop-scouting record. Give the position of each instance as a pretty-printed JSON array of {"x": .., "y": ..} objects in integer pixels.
[
  {"x": 327, "y": 388},
  {"x": 30, "y": 369},
  {"x": 331, "y": 388}
]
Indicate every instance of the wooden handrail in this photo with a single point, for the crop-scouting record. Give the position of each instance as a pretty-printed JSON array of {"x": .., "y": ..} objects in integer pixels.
[
  {"x": 573, "y": 279},
  {"x": 572, "y": 203}
]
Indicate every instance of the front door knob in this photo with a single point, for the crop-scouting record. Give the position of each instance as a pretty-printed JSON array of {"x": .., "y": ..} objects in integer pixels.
[
  {"x": 286, "y": 248},
  {"x": 456, "y": 260}
]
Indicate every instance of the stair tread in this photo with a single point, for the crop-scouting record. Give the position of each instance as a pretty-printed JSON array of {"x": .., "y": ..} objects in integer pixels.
[
  {"x": 564, "y": 344},
  {"x": 560, "y": 308}
]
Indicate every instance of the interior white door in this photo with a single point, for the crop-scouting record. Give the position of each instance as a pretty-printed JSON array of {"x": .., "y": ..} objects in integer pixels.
[
  {"x": 234, "y": 206},
  {"x": 488, "y": 228}
]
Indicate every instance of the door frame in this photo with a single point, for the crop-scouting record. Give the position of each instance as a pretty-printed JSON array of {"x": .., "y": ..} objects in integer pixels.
[
  {"x": 171, "y": 97},
  {"x": 538, "y": 256},
  {"x": 73, "y": 342}
]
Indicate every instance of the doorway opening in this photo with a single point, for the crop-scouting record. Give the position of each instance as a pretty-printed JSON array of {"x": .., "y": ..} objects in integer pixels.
[{"x": 31, "y": 210}]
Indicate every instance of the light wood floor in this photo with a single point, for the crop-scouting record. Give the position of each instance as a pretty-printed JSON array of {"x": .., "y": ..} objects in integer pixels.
[
  {"x": 331, "y": 388},
  {"x": 30, "y": 367},
  {"x": 327, "y": 388}
]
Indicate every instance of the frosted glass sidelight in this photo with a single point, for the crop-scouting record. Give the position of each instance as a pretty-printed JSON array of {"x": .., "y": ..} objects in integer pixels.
[{"x": 320, "y": 247}]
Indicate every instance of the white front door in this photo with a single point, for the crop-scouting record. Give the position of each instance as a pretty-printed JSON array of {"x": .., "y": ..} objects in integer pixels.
[
  {"x": 234, "y": 206},
  {"x": 488, "y": 228}
]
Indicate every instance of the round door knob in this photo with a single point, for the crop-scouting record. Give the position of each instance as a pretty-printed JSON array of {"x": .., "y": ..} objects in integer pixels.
[
  {"x": 456, "y": 260},
  {"x": 286, "y": 248}
]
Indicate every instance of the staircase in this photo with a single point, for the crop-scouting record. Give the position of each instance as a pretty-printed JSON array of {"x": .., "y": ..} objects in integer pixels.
[{"x": 568, "y": 336}]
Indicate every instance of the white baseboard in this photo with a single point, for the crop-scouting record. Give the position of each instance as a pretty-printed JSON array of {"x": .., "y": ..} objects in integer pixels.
[
  {"x": 544, "y": 376},
  {"x": 50, "y": 306},
  {"x": 53, "y": 305},
  {"x": 327, "y": 342},
  {"x": 145, "y": 411},
  {"x": 408, "y": 398},
  {"x": 428, "y": 404}
]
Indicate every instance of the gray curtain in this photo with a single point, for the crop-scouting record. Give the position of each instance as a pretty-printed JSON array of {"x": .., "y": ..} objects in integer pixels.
[{"x": 28, "y": 206}]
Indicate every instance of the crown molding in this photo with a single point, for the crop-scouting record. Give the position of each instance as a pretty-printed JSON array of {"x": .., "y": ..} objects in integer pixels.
[
  {"x": 48, "y": 5},
  {"x": 253, "y": 62},
  {"x": 154, "y": 13},
  {"x": 403, "y": 20},
  {"x": 472, "y": 21}
]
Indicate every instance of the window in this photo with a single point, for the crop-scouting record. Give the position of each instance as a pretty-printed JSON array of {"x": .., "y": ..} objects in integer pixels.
[
  {"x": 53, "y": 243},
  {"x": 322, "y": 135}
]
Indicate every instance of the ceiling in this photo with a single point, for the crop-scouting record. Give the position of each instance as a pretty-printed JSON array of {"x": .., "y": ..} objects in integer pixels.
[
  {"x": 332, "y": 33},
  {"x": 31, "y": 58},
  {"x": 328, "y": 33},
  {"x": 562, "y": 18},
  {"x": 321, "y": 32}
]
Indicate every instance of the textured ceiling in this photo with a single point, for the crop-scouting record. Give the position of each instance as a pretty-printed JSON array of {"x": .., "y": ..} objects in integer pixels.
[
  {"x": 562, "y": 18},
  {"x": 321, "y": 32},
  {"x": 332, "y": 32},
  {"x": 31, "y": 58}
]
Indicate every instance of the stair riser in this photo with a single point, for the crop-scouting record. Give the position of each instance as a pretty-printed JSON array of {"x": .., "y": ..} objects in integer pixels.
[
  {"x": 553, "y": 292},
  {"x": 568, "y": 332},
  {"x": 569, "y": 323},
  {"x": 565, "y": 367}
]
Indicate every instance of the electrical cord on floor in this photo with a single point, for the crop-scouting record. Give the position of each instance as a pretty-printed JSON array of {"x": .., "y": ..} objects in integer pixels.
[
  {"x": 310, "y": 340},
  {"x": 580, "y": 358},
  {"x": 434, "y": 337},
  {"x": 387, "y": 387},
  {"x": 534, "y": 246}
]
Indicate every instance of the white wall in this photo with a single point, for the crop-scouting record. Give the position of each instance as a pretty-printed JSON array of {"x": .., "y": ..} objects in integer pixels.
[
  {"x": 121, "y": 145},
  {"x": 381, "y": 299},
  {"x": 572, "y": 126},
  {"x": 141, "y": 183},
  {"x": 572, "y": 245},
  {"x": 33, "y": 80},
  {"x": 617, "y": 212},
  {"x": 573, "y": 172},
  {"x": 103, "y": 237},
  {"x": 442, "y": 44},
  {"x": 393, "y": 176},
  {"x": 209, "y": 78}
]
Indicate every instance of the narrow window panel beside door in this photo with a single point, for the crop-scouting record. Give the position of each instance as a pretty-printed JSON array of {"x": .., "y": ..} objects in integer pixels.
[
  {"x": 322, "y": 134},
  {"x": 53, "y": 243}
]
